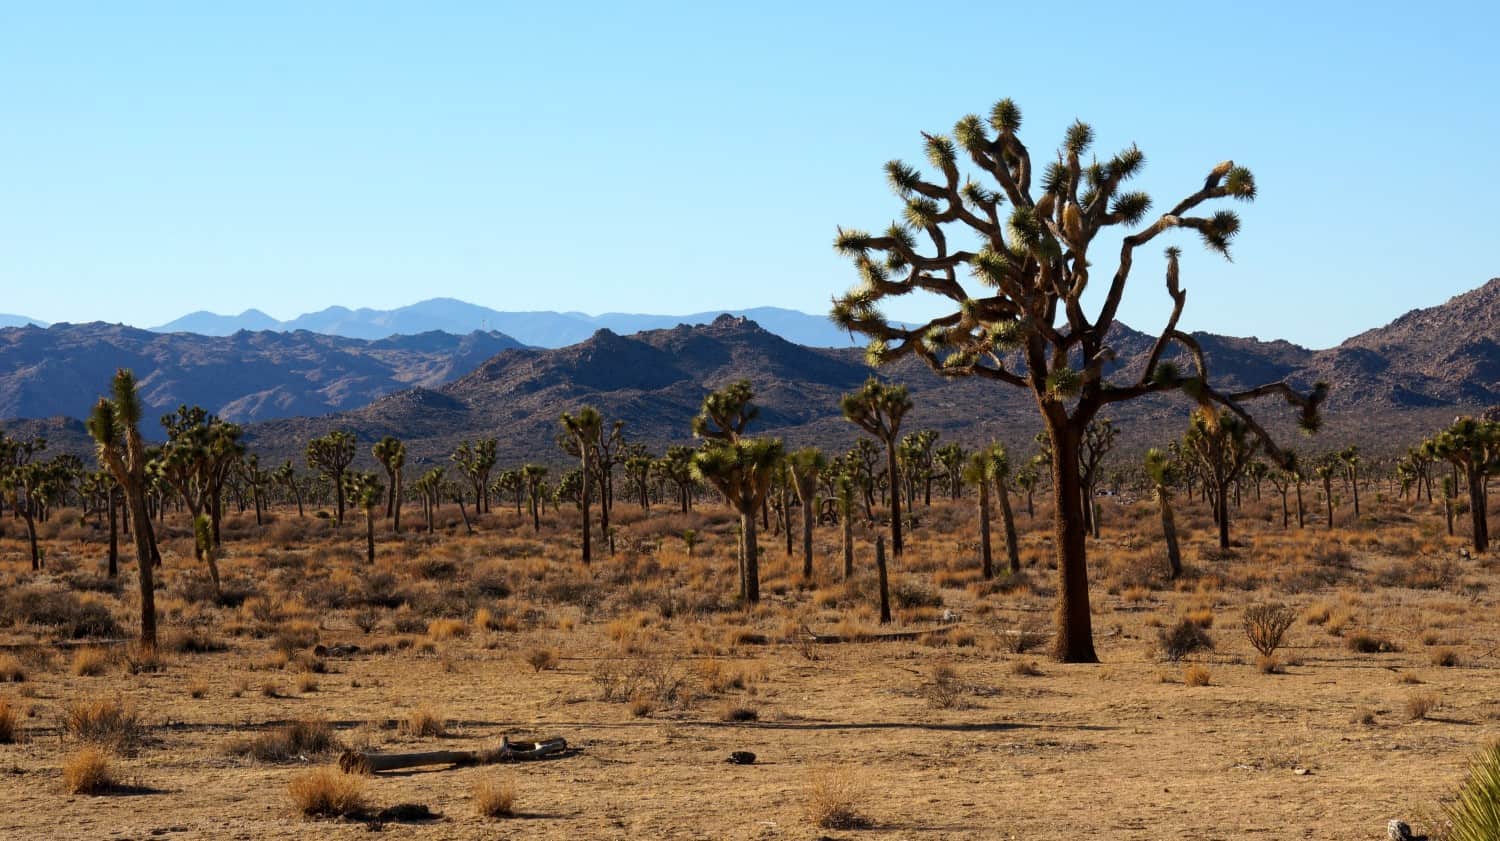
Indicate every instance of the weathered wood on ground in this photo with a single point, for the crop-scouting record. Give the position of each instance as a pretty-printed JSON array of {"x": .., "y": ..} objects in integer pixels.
[{"x": 363, "y": 762}]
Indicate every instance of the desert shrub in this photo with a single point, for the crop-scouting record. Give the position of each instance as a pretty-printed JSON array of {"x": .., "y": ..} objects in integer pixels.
[
  {"x": 834, "y": 800},
  {"x": 327, "y": 793},
  {"x": 382, "y": 589},
  {"x": 90, "y": 662},
  {"x": 542, "y": 658},
  {"x": 944, "y": 690},
  {"x": 1182, "y": 639},
  {"x": 102, "y": 722},
  {"x": 10, "y": 725},
  {"x": 11, "y": 669},
  {"x": 494, "y": 798},
  {"x": 308, "y": 737},
  {"x": 1471, "y": 812},
  {"x": 1195, "y": 675},
  {"x": 1025, "y": 668},
  {"x": 1421, "y": 705},
  {"x": 738, "y": 712},
  {"x": 197, "y": 640},
  {"x": 60, "y": 610},
  {"x": 1266, "y": 625},
  {"x": 1420, "y": 573},
  {"x": 425, "y": 722},
  {"x": 1445, "y": 657},
  {"x": 88, "y": 772},
  {"x": 907, "y": 593},
  {"x": 1368, "y": 643}
]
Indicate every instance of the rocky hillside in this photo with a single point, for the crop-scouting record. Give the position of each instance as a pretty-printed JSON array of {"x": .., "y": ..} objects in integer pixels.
[{"x": 61, "y": 370}]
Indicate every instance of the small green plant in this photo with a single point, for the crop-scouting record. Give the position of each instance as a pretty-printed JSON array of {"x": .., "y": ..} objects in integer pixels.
[{"x": 1472, "y": 813}]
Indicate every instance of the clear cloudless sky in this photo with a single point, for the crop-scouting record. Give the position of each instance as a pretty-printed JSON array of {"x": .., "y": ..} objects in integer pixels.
[{"x": 158, "y": 158}]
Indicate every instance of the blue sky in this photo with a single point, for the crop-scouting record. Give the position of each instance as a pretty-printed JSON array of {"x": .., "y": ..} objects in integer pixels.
[{"x": 684, "y": 157}]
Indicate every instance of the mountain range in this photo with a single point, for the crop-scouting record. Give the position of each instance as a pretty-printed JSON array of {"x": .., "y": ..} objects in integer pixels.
[
  {"x": 62, "y": 369},
  {"x": 1389, "y": 386},
  {"x": 539, "y": 329}
]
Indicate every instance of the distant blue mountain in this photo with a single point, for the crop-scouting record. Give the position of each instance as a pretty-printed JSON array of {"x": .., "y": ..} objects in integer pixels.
[
  {"x": 8, "y": 320},
  {"x": 544, "y": 328}
]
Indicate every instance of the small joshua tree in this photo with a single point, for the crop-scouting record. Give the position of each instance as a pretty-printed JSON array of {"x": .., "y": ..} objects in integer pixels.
[
  {"x": 391, "y": 453},
  {"x": 1023, "y": 324},
  {"x": 1473, "y": 446},
  {"x": 367, "y": 491},
  {"x": 331, "y": 455},
  {"x": 978, "y": 472},
  {"x": 806, "y": 464},
  {"x": 115, "y": 428},
  {"x": 878, "y": 409},
  {"x": 1221, "y": 444},
  {"x": 1161, "y": 472},
  {"x": 584, "y": 430}
]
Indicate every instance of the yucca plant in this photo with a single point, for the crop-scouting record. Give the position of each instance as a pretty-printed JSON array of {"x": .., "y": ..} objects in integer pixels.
[
  {"x": 878, "y": 408},
  {"x": 1474, "y": 812}
]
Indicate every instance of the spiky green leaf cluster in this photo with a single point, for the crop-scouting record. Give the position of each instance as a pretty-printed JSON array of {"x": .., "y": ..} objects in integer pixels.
[
  {"x": 902, "y": 178},
  {"x": 970, "y": 133},
  {"x": 1131, "y": 206},
  {"x": 1005, "y": 116},
  {"x": 1063, "y": 383}
]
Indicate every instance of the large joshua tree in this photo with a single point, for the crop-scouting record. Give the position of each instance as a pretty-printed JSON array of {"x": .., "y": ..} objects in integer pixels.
[
  {"x": 878, "y": 409},
  {"x": 115, "y": 428},
  {"x": 1022, "y": 322},
  {"x": 331, "y": 455}
]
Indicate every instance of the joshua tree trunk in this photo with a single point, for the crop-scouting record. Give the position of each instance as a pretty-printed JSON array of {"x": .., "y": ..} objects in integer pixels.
[
  {"x": 807, "y": 537},
  {"x": 396, "y": 504},
  {"x": 1169, "y": 534},
  {"x": 846, "y": 525},
  {"x": 1301, "y": 510},
  {"x": 36, "y": 552},
  {"x": 1074, "y": 642},
  {"x": 885, "y": 585},
  {"x": 114, "y": 535},
  {"x": 370, "y": 535},
  {"x": 890, "y": 466},
  {"x": 751, "y": 550},
  {"x": 464, "y": 512},
  {"x": 1478, "y": 516},
  {"x": 588, "y": 549},
  {"x": 1223, "y": 509},
  {"x": 986, "y": 559},
  {"x": 1012, "y": 543},
  {"x": 145, "y": 551}
]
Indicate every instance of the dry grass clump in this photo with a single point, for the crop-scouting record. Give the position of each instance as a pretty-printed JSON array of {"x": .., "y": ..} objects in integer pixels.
[
  {"x": 88, "y": 772},
  {"x": 834, "y": 800},
  {"x": 1195, "y": 675},
  {"x": 494, "y": 798},
  {"x": 1445, "y": 657},
  {"x": 1368, "y": 643},
  {"x": 738, "y": 712},
  {"x": 327, "y": 793},
  {"x": 1268, "y": 664},
  {"x": 944, "y": 691},
  {"x": 441, "y": 630},
  {"x": 1025, "y": 668},
  {"x": 1182, "y": 639},
  {"x": 10, "y": 725},
  {"x": 425, "y": 722},
  {"x": 90, "y": 662},
  {"x": 11, "y": 670},
  {"x": 103, "y": 722},
  {"x": 308, "y": 737},
  {"x": 542, "y": 658},
  {"x": 1421, "y": 705}
]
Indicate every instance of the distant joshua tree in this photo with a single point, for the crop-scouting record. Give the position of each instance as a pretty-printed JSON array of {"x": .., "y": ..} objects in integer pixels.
[
  {"x": 115, "y": 428},
  {"x": 584, "y": 430},
  {"x": 367, "y": 492},
  {"x": 391, "y": 454},
  {"x": 1473, "y": 447},
  {"x": 1024, "y": 323},
  {"x": 533, "y": 476},
  {"x": 741, "y": 468},
  {"x": 331, "y": 455},
  {"x": 476, "y": 460},
  {"x": 878, "y": 409},
  {"x": 1161, "y": 473},
  {"x": 806, "y": 464},
  {"x": 1221, "y": 445}
]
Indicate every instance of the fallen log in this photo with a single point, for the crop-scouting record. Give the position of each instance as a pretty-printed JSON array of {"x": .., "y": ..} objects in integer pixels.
[
  {"x": 884, "y": 636},
  {"x": 364, "y": 762}
]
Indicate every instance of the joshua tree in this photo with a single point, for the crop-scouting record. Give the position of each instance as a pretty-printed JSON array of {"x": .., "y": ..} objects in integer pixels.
[
  {"x": 951, "y": 458},
  {"x": 510, "y": 482},
  {"x": 331, "y": 455},
  {"x": 532, "y": 475},
  {"x": 878, "y": 409},
  {"x": 476, "y": 460},
  {"x": 286, "y": 477},
  {"x": 1221, "y": 444},
  {"x": 742, "y": 470},
  {"x": 1027, "y": 480},
  {"x": 1328, "y": 467},
  {"x": 199, "y": 454},
  {"x": 920, "y": 460},
  {"x": 366, "y": 491},
  {"x": 1283, "y": 480},
  {"x": 638, "y": 472},
  {"x": 1161, "y": 472},
  {"x": 1034, "y": 268},
  {"x": 256, "y": 479},
  {"x": 726, "y": 413},
  {"x": 806, "y": 464},
  {"x": 22, "y": 484},
  {"x": 115, "y": 428},
  {"x": 845, "y": 491},
  {"x": 430, "y": 486},
  {"x": 1349, "y": 457},
  {"x": 391, "y": 453},
  {"x": 978, "y": 472},
  {"x": 676, "y": 466},
  {"x": 584, "y": 431},
  {"x": 1473, "y": 447},
  {"x": 1000, "y": 475}
]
